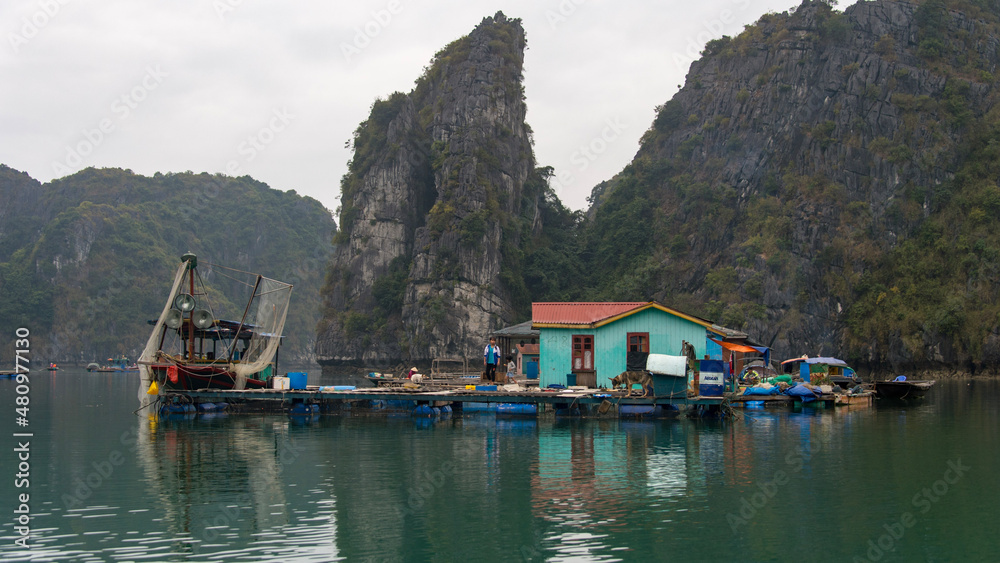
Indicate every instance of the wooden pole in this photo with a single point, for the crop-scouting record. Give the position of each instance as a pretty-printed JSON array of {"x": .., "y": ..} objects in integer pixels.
[
  {"x": 191, "y": 319},
  {"x": 243, "y": 320}
]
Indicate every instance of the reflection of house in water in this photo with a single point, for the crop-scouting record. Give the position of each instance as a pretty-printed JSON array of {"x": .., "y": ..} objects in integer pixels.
[{"x": 595, "y": 473}]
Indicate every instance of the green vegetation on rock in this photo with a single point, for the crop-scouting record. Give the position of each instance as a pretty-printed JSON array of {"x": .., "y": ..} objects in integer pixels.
[{"x": 91, "y": 256}]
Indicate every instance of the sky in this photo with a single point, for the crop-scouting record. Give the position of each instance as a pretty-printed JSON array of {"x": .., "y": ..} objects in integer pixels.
[{"x": 275, "y": 89}]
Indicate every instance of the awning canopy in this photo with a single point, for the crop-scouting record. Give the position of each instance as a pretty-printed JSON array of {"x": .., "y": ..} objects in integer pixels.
[{"x": 733, "y": 347}]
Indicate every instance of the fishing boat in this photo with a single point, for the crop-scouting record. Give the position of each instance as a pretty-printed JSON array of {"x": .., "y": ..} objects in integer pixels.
[
  {"x": 902, "y": 388},
  {"x": 191, "y": 348},
  {"x": 822, "y": 369}
]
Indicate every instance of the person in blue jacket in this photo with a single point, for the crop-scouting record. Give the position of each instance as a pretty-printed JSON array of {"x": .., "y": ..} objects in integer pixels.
[{"x": 491, "y": 357}]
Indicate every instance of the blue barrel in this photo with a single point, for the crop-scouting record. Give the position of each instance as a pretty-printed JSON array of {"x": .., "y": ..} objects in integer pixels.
[
  {"x": 526, "y": 409},
  {"x": 652, "y": 411},
  {"x": 423, "y": 410},
  {"x": 402, "y": 405},
  {"x": 531, "y": 370},
  {"x": 486, "y": 387},
  {"x": 297, "y": 379}
]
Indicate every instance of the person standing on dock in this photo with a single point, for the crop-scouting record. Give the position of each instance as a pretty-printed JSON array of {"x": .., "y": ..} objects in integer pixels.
[{"x": 491, "y": 357}]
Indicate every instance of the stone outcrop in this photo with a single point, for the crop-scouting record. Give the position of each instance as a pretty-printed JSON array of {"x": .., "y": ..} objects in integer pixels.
[
  {"x": 784, "y": 190},
  {"x": 436, "y": 175},
  {"x": 829, "y": 133}
]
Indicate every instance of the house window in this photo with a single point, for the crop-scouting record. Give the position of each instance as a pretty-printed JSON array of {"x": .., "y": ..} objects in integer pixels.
[
  {"x": 638, "y": 342},
  {"x": 583, "y": 353}
]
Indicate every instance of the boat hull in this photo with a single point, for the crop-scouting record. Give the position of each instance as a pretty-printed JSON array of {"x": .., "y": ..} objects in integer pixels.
[
  {"x": 191, "y": 378},
  {"x": 902, "y": 389}
]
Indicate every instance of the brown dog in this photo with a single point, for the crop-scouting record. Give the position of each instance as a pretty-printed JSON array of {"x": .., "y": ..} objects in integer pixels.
[{"x": 627, "y": 378}]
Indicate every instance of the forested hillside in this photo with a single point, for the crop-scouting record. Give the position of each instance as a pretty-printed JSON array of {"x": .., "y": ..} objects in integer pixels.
[{"x": 87, "y": 259}]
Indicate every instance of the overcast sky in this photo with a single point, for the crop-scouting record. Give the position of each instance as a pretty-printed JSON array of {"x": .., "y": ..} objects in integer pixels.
[{"x": 275, "y": 89}]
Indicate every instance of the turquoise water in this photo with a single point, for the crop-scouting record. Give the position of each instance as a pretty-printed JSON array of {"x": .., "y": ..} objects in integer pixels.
[{"x": 107, "y": 485}]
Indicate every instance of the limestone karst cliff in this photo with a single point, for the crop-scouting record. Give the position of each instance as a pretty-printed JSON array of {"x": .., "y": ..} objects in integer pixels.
[
  {"x": 420, "y": 265},
  {"x": 826, "y": 181}
]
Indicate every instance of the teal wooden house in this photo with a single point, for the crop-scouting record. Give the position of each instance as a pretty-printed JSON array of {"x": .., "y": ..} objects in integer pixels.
[{"x": 590, "y": 342}]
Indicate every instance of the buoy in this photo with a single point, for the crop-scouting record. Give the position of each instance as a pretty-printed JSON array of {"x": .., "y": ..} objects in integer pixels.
[{"x": 153, "y": 389}]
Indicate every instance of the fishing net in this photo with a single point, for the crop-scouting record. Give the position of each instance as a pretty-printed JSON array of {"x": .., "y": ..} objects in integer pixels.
[
  {"x": 153, "y": 344},
  {"x": 266, "y": 315}
]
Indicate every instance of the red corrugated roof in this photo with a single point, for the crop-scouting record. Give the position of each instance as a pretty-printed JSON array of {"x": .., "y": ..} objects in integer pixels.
[
  {"x": 529, "y": 349},
  {"x": 580, "y": 313}
]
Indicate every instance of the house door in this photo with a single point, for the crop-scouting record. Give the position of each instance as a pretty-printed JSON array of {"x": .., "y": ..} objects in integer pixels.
[
  {"x": 583, "y": 360},
  {"x": 637, "y": 350}
]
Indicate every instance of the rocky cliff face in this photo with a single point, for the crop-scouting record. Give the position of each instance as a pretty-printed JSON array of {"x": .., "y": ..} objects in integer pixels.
[
  {"x": 787, "y": 176},
  {"x": 437, "y": 174}
]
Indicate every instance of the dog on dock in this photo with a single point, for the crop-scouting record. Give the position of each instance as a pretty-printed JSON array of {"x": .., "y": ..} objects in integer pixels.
[{"x": 627, "y": 378}]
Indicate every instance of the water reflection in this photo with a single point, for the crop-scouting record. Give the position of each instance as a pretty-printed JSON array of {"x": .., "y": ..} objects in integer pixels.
[
  {"x": 768, "y": 486},
  {"x": 221, "y": 485}
]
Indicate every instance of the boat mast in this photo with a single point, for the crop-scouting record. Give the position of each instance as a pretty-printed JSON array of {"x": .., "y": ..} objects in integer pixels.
[
  {"x": 192, "y": 262},
  {"x": 191, "y": 323}
]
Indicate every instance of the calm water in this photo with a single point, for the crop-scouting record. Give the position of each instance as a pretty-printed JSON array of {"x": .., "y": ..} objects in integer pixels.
[{"x": 107, "y": 485}]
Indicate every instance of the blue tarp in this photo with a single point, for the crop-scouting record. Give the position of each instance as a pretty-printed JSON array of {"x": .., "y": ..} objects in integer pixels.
[
  {"x": 762, "y": 391},
  {"x": 766, "y": 352},
  {"x": 803, "y": 392}
]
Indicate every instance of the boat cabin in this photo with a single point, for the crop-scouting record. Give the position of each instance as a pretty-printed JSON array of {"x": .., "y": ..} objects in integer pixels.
[{"x": 820, "y": 370}]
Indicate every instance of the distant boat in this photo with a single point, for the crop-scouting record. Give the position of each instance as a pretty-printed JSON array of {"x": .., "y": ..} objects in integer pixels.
[
  {"x": 902, "y": 388},
  {"x": 53, "y": 367},
  {"x": 113, "y": 365},
  {"x": 190, "y": 348}
]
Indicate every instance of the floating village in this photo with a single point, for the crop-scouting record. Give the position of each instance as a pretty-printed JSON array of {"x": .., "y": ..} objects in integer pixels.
[
  {"x": 588, "y": 359},
  {"x": 625, "y": 359}
]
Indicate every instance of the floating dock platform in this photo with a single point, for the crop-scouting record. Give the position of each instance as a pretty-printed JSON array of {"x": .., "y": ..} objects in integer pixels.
[{"x": 324, "y": 399}]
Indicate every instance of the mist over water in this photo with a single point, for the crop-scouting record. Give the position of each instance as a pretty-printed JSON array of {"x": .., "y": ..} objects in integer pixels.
[{"x": 885, "y": 483}]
